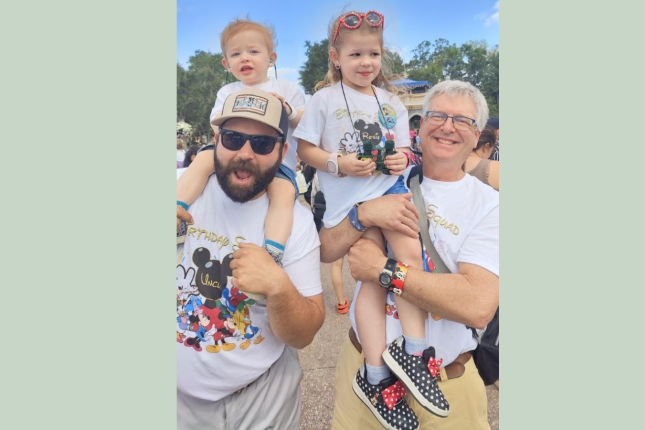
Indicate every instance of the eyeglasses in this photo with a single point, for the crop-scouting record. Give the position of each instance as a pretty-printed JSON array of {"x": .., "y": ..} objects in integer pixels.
[
  {"x": 460, "y": 122},
  {"x": 260, "y": 144},
  {"x": 352, "y": 21}
]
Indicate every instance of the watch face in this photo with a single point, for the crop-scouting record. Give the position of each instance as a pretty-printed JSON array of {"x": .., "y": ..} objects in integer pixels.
[
  {"x": 385, "y": 279},
  {"x": 331, "y": 166}
]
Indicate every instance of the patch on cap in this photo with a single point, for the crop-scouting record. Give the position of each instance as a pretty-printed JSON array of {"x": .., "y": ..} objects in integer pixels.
[{"x": 250, "y": 103}]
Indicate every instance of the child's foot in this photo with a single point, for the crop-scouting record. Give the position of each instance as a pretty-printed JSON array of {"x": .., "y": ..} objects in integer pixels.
[
  {"x": 344, "y": 308},
  {"x": 418, "y": 374},
  {"x": 386, "y": 401}
]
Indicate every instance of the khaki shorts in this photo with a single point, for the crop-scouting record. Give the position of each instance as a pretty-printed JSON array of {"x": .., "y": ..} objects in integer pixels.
[{"x": 465, "y": 394}]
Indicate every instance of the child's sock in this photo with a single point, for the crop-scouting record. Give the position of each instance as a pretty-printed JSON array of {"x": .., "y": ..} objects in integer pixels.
[
  {"x": 275, "y": 249},
  {"x": 414, "y": 345},
  {"x": 376, "y": 374}
]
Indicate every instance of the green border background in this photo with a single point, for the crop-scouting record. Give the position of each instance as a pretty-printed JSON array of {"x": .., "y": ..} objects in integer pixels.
[
  {"x": 571, "y": 224},
  {"x": 89, "y": 176}
]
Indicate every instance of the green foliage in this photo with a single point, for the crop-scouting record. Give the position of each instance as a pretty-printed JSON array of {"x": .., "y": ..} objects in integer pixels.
[
  {"x": 316, "y": 66},
  {"x": 472, "y": 62},
  {"x": 197, "y": 90}
]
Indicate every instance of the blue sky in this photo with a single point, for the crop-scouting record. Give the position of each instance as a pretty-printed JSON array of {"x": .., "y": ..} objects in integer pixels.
[{"x": 407, "y": 23}]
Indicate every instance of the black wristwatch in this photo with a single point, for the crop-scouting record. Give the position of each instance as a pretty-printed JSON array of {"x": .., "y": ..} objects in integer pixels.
[
  {"x": 353, "y": 219},
  {"x": 385, "y": 277}
]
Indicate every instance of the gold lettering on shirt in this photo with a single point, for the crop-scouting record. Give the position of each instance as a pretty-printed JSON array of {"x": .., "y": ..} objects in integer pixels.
[
  {"x": 238, "y": 239},
  {"x": 200, "y": 233},
  {"x": 439, "y": 221},
  {"x": 342, "y": 113}
]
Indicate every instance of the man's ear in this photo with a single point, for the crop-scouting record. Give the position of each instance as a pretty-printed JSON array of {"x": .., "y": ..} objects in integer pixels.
[
  {"x": 477, "y": 134},
  {"x": 225, "y": 63},
  {"x": 284, "y": 150}
]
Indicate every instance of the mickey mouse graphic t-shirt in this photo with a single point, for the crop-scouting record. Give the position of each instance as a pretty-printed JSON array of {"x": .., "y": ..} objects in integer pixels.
[{"x": 224, "y": 341}]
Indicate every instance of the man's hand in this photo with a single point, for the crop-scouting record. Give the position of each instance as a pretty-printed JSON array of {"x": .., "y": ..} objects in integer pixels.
[
  {"x": 366, "y": 260},
  {"x": 254, "y": 271},
  {"x": 183, "y": 214},
  {"x": 391, "y": 212}
]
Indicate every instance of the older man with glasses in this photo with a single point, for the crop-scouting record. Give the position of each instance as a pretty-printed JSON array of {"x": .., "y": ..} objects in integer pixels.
[
  {"x": 237, "y": 365},
  {"x": 463, "y": 216}
]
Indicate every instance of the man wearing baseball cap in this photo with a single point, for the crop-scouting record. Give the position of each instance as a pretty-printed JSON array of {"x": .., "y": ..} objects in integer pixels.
[{"x": 237, "y": 365}]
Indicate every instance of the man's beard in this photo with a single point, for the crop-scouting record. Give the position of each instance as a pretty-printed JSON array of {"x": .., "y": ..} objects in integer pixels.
[{"x": 242, "y": 194}]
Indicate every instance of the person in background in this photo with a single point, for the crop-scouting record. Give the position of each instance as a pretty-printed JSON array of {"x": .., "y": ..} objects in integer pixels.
[
  {"x": 190, "y": 155},
  {"x": 494, "y": 124},
  {"x": 478, "y": 163},
  {"x": 181, "y": 152}
]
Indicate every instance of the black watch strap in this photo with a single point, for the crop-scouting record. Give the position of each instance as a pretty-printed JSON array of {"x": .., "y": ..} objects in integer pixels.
[{"x": 390, "y": 265}]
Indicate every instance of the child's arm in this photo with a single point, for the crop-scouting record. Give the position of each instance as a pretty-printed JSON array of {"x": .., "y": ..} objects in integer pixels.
[
  {"x": 294, "y": 122},
  {"x": 193, "y": 180},
  {"x": 349, "y": 165}
]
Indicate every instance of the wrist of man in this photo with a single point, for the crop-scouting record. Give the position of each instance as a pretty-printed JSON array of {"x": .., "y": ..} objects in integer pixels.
[{"x": 361, "y": 214}]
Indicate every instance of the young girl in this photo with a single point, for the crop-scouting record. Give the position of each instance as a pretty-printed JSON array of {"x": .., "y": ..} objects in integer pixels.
[
  {"x": 248, "y": 49},
  {"x": 351, "y": 109}
]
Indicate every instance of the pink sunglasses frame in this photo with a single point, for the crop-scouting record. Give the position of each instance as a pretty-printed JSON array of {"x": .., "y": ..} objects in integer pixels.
[{"x": 360, "y": 16}]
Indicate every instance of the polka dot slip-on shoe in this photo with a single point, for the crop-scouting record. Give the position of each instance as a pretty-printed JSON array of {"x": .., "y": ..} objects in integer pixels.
[
  {"x": 418, "y": 374},
  {"x": 386, "y": 401}
]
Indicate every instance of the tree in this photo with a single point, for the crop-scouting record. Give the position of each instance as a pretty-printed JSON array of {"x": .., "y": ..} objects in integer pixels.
[
  {"x": 316, "y": 66},
  {"x": 197, "y": 89}
]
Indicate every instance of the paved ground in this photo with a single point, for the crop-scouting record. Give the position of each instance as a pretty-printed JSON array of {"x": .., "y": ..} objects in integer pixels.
[{"x": 318, "y": 361}]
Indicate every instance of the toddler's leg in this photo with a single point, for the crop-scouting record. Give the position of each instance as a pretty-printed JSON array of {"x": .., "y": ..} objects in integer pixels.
[
  {"x": 374, "y": 384},
  {"x": 279, "y": 219}
]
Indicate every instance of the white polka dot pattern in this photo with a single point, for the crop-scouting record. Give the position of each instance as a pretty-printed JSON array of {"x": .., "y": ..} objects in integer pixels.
[
  {"x": 414, "y": 373},
  {"x": 393, "y": 415}
]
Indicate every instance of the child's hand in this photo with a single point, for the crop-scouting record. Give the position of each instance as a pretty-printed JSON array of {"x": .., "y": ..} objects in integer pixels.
[
  {"x": 397, "y": 163},
  {"x": 183, "y": 214},
  {"x": 352, "y": 166}
]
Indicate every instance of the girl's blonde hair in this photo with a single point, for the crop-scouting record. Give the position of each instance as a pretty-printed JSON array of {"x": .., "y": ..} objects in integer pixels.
[{"x": 334, "y": 75}]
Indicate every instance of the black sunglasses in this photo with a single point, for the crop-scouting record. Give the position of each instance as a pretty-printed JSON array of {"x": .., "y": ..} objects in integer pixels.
[{"x": 260, "y": 144}]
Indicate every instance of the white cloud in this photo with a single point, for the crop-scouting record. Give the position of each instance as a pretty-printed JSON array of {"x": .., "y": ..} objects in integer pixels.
[
  {"x": 286, "y": 73},
  {"x": 490, "y": 18}
]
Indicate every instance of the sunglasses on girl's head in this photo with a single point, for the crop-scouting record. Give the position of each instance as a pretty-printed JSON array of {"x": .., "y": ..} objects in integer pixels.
[
  {"x": 260, "y": 144},
  {"x": 352, "y": 21}
]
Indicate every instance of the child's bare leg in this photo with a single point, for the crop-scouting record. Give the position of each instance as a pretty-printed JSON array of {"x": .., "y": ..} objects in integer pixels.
[
  {"x": 279, "y": 219},
  {"x": 414, "y": 365},
  {"x": 370, "y": 322},
  {"x": 337, "y": 280},
  {"x": 412, "y": 318}
]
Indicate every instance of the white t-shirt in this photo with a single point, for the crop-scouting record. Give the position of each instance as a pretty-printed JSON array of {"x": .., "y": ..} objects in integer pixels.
[
  {"x": 327, "y": 125},
  {"x": 236, "y": 345},
  {"x": 464, "y": 227},
  {"x": 287, "y": 89}
]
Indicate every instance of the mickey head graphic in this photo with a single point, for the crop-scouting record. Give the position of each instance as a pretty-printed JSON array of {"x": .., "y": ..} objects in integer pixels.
[{"x": 212, "y": 276}]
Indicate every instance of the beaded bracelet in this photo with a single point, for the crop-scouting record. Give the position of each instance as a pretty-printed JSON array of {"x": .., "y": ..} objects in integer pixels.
[{"x": 182, "y": 204}]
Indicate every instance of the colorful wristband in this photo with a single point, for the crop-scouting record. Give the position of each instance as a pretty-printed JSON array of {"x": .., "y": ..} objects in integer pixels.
[
  {"x": 398, "y": 278},
  {"x": 182, "y": 204}
]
